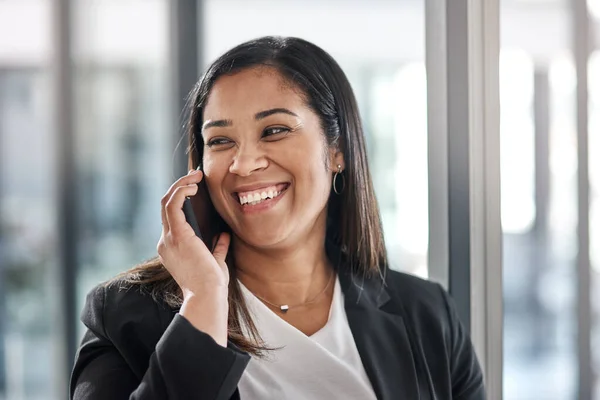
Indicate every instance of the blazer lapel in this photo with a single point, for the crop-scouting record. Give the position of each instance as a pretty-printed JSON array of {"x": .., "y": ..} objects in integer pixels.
[{"x": 381, "y": 338}]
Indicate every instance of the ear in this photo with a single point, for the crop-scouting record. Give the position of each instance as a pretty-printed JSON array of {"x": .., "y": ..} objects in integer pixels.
[{"x": 336, "y": 157}]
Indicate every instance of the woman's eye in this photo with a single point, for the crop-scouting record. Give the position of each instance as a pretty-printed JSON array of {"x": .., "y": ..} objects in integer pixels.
[
  {"x": 274, "y": 131},
  {"x": 218, "y": 142}
]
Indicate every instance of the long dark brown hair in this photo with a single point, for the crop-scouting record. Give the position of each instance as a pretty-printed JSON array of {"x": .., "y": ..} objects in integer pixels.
[{"x": 353, "y": 221}]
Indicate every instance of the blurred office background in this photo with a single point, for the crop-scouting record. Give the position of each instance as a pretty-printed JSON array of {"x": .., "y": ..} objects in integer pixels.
[{"x": 124, "y": 157}]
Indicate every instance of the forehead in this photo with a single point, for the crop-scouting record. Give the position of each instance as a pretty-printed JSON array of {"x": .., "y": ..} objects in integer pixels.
[{"x": 250, "y": 91}]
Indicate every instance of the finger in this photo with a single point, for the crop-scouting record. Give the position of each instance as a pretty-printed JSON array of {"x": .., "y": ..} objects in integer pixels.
[
  {"x": 221, "y": 248},
  {"x": 173, "y": 209},
  {"x": 163, "y": 215},
  {"x": 161, "y": 247},
  {"x": 193, "y": 176}
]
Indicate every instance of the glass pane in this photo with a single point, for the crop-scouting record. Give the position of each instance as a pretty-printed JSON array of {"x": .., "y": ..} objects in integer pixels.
[
  {"x": 539, "y": 200},
  {"x": 594, "y": 167},
  {"x": 389, "y": 83},
  {"x": 27, "y": 235},
  {"x": 28, "y": 216},
  {"x": 125, "y": 139}
]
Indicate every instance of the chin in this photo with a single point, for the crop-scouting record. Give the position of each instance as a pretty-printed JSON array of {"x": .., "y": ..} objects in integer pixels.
[{"x": 262, "y": 239}]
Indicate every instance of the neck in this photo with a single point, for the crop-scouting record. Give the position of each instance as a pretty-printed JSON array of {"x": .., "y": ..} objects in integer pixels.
[{"x": 291, "y": 275}]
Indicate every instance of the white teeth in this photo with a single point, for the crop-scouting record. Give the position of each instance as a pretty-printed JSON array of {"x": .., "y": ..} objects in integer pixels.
[{"x": 255, "y": 198}]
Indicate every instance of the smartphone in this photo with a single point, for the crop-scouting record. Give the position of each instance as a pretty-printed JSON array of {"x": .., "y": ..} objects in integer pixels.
[
  {"x": 202, "y": 216},
  {"x": 190, "y": 217}
]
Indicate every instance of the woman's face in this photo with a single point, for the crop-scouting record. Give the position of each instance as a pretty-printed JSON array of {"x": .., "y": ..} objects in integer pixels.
[{"x": 267, "y": 165}]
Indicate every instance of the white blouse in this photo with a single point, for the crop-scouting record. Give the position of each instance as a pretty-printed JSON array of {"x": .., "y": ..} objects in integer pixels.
[{"x": 325, "y": 365}]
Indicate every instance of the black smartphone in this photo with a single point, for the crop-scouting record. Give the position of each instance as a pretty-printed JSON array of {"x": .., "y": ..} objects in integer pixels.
[{"x": 190, "y": 217}]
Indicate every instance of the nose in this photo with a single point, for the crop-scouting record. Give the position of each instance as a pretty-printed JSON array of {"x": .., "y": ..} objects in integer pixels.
[{"x": 248, "y": 159}]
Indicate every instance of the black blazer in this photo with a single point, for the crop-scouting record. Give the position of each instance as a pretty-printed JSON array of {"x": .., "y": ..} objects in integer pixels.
[{"x": 408, "y": 334}]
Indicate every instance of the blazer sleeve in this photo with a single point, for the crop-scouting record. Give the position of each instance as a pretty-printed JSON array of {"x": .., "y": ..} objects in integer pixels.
[
  {"x": 465, "y": 372},
  {"x": 186, "y": 363}
]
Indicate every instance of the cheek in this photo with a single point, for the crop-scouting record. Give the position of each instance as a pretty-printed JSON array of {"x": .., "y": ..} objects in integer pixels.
[
  {"x": 317, "y": 179},
  {"x": 214, "y": 166},
  {"x": 208, "y": 163},
  {"x": 308, "y": 163},
  {"x": 215, "y": 169}
]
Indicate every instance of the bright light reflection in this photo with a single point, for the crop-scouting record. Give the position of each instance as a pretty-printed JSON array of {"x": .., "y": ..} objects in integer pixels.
[
  {"x": 563, "y": 78},
  {"x": 594, "y": 156},
  {"x": 516, "y": 141},
  {"x": 410, "y": 128},
  {"x": 594, "y": 8}
]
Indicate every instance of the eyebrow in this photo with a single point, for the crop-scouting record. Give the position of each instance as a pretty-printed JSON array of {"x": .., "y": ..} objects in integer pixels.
[
  {"x": 265, "y": 114},
  {"x": 221, "y": 123}
]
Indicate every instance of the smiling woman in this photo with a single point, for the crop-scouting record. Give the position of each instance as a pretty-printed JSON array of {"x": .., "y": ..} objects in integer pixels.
[
  {"x": 272, "y": 141},
  {"x": 290, "y": 294}
]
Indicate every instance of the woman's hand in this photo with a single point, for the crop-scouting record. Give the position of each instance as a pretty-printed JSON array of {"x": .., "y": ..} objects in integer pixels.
[{"x": 202, "y": 276}]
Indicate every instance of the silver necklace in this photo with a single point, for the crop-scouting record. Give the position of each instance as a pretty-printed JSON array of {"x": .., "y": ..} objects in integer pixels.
[{"x": 284, "y": 308}]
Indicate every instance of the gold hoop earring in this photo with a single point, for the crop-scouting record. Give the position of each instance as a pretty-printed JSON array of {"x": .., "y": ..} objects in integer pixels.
[{"x": 335, "y": 178}]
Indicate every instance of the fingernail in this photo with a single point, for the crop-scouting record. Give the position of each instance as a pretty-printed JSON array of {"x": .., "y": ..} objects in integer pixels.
[{"x": 190, "y": 171}]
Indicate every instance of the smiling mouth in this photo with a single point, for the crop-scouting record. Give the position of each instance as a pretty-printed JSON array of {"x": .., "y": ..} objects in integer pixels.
[{"x": 259, "y": 196}]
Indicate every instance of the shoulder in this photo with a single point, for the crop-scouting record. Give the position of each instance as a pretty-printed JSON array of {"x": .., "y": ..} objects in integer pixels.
[
  {"x": 424, "y": 302},
  {"x": 123, "y": 319},
  {"x": 433, "y": 324},
  {"x": 415, "y": 291},
  {"x": 116, "y": 308}
]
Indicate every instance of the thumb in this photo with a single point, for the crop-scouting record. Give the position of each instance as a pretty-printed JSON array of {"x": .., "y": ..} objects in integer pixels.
[{"x": 221, "y": 248}]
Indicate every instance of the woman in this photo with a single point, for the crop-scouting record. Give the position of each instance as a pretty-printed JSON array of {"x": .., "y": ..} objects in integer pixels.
[{"x": 295, "y": 300}]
